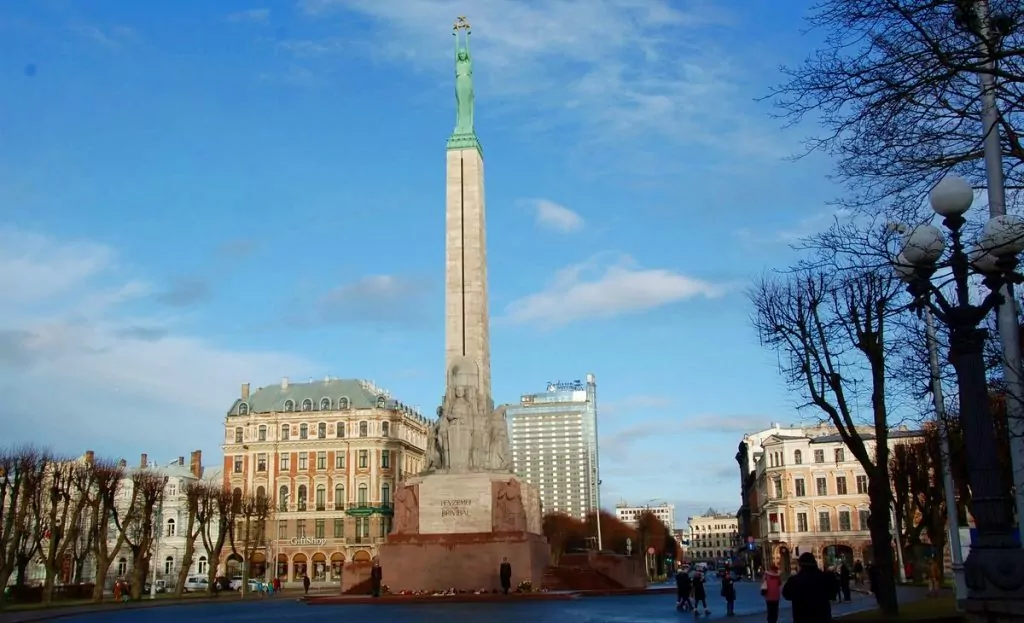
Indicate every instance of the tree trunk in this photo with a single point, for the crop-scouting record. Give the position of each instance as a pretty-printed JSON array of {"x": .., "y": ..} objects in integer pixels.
[
  {"x": 22, "y": 565},
  {"x": 881, "y": 542},
  {"x": 5, "y": 576},
  {"x": 139, "y": 573},
  {"x": 101, "y": 580},
  {"x": 48, "y": 583},
  {"x": 212, "y": 573},
  {"x": 186, "y": 563}
]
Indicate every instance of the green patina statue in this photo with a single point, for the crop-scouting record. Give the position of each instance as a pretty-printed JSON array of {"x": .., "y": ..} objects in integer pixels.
[{"x": 464, "y": 134}]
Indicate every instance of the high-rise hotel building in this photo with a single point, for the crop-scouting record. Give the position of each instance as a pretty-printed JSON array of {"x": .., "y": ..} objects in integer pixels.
[
  {"x": 328, "y": 454},
  {"x": 554, "y": 445}
]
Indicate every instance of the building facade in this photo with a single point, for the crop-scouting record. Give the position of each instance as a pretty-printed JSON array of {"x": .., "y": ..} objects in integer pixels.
[
  {"x": 328, "y": 454},
  {"x": 629, "y": 514},
  {"x": 553, "y": 435},
  {"x": 814, "y": 496},
  {"x": 714, "y": 536}
]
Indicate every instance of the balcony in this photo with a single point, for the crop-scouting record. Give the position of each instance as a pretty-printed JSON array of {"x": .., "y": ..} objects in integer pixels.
[
  {"x": 321, "y": 506},
  {"x": 282, "y": 507},
  {"x": 302, "y": 505},
  {"x": 339, "y": 506}
]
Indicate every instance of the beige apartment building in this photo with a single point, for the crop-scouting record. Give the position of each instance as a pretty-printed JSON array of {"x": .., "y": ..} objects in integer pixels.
[
  {"x": 814, "y": 496},
  {"x": 328, "y": 454},
  {"x": 713, "y": 536}
]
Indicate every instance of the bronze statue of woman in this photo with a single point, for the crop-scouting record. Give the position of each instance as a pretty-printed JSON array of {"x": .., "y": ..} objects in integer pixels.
[{"x": 463, "y": 81}]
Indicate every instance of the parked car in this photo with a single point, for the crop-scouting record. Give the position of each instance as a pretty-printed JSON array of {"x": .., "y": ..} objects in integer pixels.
[
  {"x": 196, "y": 583},
  {"x": 236, "y": 583}
]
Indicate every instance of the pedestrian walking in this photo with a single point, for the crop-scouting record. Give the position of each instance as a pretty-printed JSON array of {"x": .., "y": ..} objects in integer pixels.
[
  {"x": 771, "y": 590},
  {"x": 683, "y": 588},
  {"x": 810, "y": 591},
  {"x": 729, "y": 594},
  {"x": 844, "y": 581},
  {"x": 934, "y": 577},
  {"x": 700, "y": 596},
  {"x": 305, "y": 584}
]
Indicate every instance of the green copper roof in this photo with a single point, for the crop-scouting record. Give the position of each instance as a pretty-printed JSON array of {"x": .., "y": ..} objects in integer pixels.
[
  {"x": 464, "y": 141},
  {"x": 326, "y": 395}
]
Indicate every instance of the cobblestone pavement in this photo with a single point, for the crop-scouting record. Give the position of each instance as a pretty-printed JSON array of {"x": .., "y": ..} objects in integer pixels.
[{"x": 626, "y": 609}]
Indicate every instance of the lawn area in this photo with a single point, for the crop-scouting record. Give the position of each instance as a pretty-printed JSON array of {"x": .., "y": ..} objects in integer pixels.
[{"x": 934, "y": 609}]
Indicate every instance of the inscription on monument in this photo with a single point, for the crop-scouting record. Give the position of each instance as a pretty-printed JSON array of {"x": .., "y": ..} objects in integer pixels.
[{"x": 455, "y": 504}]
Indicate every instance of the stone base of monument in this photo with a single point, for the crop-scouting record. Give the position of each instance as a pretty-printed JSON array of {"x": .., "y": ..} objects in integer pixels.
[{"x": 451, "y": 531}]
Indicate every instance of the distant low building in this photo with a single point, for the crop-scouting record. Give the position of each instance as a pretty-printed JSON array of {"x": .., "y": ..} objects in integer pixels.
[
  {"x": 713, "y": 536},
  {"x": 629, "y": 515}
]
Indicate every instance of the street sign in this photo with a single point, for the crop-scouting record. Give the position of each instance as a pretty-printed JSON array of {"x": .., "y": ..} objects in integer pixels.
[{"x": 650, "y": 550}]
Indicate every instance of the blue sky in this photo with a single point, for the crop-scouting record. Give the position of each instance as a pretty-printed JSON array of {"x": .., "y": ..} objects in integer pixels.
[{"x": 199, "y": 194}]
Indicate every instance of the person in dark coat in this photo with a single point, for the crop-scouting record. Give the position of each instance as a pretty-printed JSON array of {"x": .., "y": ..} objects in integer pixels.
[
  {"x": 729, "y": 593},
  {"x": 683, "y": 587},
  {"x": 844, "y": 581},
  {"x": 700, "y": 596},
  {"x": 872, "y": 578},
  {"x": 505, "y": 573},
  {"x": 858, "y": 572},
  {"x": 810, "y": 592},
  {"x": 305, "y": 584},
  {"x": 376, "y": 575}
]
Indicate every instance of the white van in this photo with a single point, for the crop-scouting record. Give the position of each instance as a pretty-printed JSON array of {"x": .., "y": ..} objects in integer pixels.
[{"x": 197, "y": 583}]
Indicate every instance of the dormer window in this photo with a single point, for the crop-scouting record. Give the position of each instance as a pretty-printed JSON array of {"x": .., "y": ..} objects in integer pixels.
[
  {"x": 381, "y": 402},
  {"x": 243, "y": 408},
  {"x": 289, "y": 405},
  {"x": 307, "y": 405},
  {"x": 325, "y": 404},
  {"x": 343, "y": 403}
]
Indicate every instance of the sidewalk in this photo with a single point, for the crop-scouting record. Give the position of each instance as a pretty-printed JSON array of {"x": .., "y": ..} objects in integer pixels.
[{"x": 58, "y": 611}]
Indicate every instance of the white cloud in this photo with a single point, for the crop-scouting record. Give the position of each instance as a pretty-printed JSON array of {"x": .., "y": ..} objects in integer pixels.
[
  {"x": 626, "y": 69},
  {"x": 596, "y": 290},
  {"x": 810, "y": 225},
  {"x": 556, "y": 217},
  {"x": 84, "y": 367},
  {"x": 112, "y": 37},
  {"x": 251, "y": 16}
]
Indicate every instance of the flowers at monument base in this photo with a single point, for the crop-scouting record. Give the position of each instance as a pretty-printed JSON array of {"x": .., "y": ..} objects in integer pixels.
[{"x": 525, "y": 587}]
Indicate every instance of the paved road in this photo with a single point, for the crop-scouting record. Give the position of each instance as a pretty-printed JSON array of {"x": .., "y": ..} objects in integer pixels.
[{"x": 631, "y": 609}]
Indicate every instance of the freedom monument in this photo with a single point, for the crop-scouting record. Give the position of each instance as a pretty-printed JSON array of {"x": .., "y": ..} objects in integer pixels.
[{"x": 454, "y": 523}]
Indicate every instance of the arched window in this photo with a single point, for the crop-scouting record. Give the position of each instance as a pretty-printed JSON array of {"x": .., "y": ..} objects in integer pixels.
[
  {"x": 385, "y": 495},
  {"x": 343, "y": 403},
  {"x": 303, "y": 431},
  {"x": 201, "y": 568},
  {"x": 307, "y": 405},
  {"x": 122, "y": 566},
  {"x": 798, "y": 457},
  {"x": 170, "y": 527},
  {"x": 261, "y": 493},
  {"x": 364, "y": 429},
  {"x": 339, "y": 497},
  {"x": 303, "y": 496},
  {"x": 385, "y": 429},
  {"x": 325, "y": 404},
  {"x": 238, "y": 434},
  {"x": 339, "y": 430},
  {"x": 364, "y": 495},
  {"x": 321, "y": 497},
  {"x": 282, "y": 498},
  {"x": 289, "y": 405},
  {"x": 261, "y": 432},
  {"x": 243, "y": 408},
  {"x": 168, "y": 565},
  {"x": 286, "y": 432},
  {"x": 236, "y": 500}
]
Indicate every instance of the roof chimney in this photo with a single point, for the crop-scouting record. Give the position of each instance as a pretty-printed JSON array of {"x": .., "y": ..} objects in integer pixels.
[
  {"x": 142, "y": 461},
  {"x": 245, "y": 392},
  {"x": 284, "y": 383},
  {"x": 196, "y": 464},
  {"x": 90, "y": 457},
  {"x": 181, "y": 460}
]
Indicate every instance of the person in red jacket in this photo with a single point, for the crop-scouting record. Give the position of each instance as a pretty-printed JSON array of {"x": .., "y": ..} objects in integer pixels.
[{"x": 771, "y": 590}]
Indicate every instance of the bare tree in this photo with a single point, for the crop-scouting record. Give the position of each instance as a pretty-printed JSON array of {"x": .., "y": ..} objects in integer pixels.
[
  {"x": 194, "y": 493},
  {"x": 216, "y": 515},
  {"x": 32, "y": 525},
  {"x": 830, "y": 331},
  {"x": 249, "y": 530},
  {"x": 895, "y": 86},
  {"x": 138, "y": 527},
  {"x": 62, "y": 505},
  {"x": 19, "y": 469},
  {"x": 104, "y": 511}
]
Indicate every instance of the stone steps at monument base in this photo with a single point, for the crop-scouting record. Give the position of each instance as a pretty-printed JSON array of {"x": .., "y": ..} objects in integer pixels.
[{"x": 577, "y": 579}]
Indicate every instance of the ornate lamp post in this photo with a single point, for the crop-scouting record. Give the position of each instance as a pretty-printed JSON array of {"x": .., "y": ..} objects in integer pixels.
[{"x": 994, "y": 569}]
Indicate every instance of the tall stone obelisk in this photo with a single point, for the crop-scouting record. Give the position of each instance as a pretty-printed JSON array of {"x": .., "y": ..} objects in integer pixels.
[{"x": 467, "y": 330}]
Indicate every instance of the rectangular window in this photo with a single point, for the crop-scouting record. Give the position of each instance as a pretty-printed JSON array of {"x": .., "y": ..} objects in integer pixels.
[
  {"x": 385, "y": 459},
  {"x": 339, "y": 528},
  {"x": 238, "y": 435},
  {"x": 819, "y": 456},
  {"x": 303, "y": 461},
  {"x": 321, "y": 498},
  {"x": 364, "y": 459},
  {"x": 841, "y": 485},
  {"x": 366, "y": 528},
  {"x": 339, "y": 460},
  {"x": 863, "y": 516},
  {"x": 282, "y": 529},
  {"x": 822, "y": 485},
  {"x": 824, "y": 522},
  {"x": 286, "y": 460},
  {"x": 801, "y": 522},
  {"x": 261, "y": 462},
  {"x": 862, "y": 485},
  {"x": 318, "y": 529},
  {"x": 385, "y": 526},
  {"x": 778, "y": 487},
  {"x": 800, "y": 487},
  {"x": 321, "y": 460},
  {"x": 238, "y": 465},
  {"x": 261, "y": 434},
  {"x": 300, "y": 528},
  {"x": 845, "y": 524},
  {"x": 840, "y": 455},
  {"x": 339, "y": 430},
  {"x": 321, "y": 430},
  {"x": 303, "y": 431}
]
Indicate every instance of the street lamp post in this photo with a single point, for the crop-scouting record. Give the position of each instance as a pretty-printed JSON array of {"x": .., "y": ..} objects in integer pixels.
[{"x": 994, "y": 569}]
